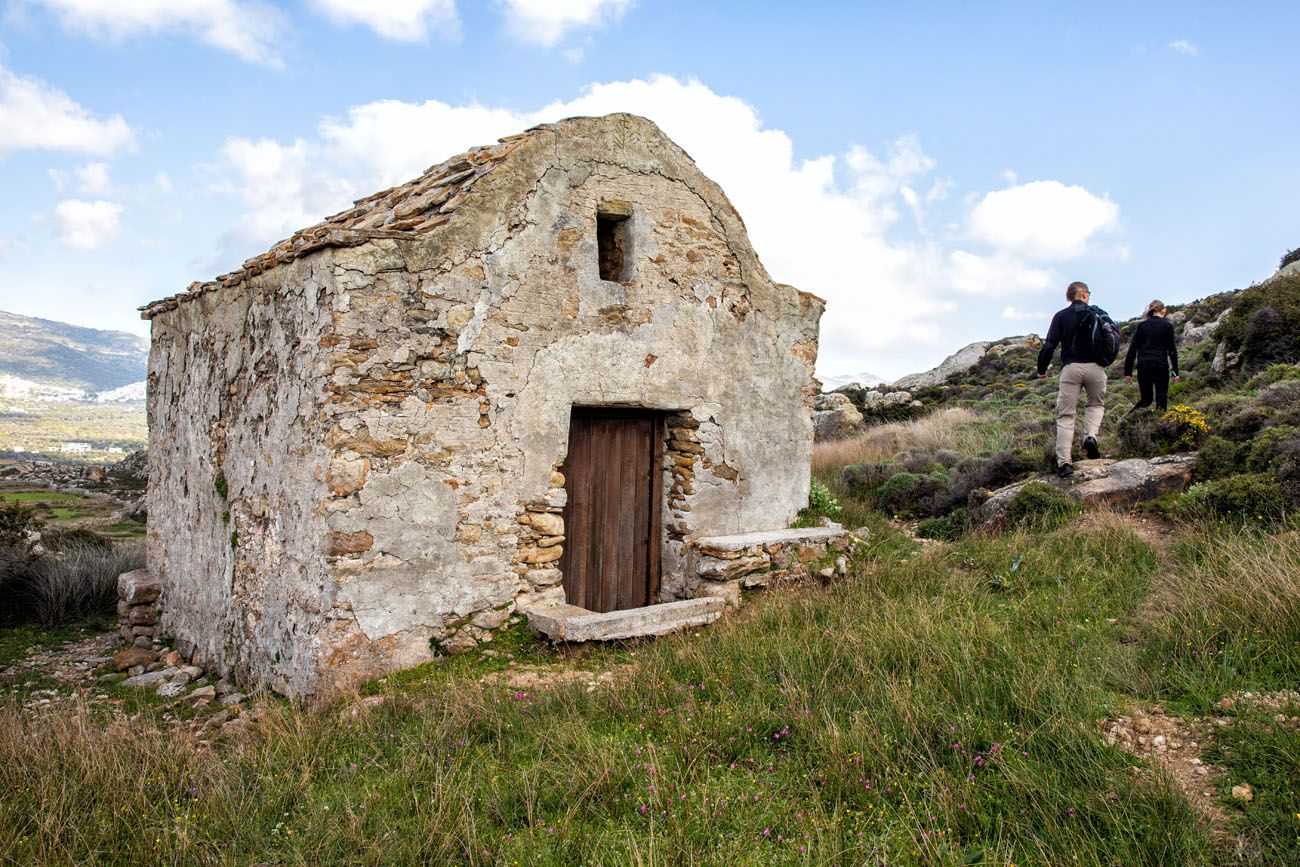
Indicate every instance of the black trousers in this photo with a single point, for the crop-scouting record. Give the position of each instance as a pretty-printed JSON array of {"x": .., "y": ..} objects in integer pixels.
[{"x": 1153, "y": 381}]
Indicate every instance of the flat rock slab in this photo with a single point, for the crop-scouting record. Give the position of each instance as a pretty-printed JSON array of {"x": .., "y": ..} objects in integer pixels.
[
  {"x": 138, "y": 587},
  {"x": 571, "y": 623},
  {"x": 1104, "y": 482},
  {"x": 741, "y": 541}
]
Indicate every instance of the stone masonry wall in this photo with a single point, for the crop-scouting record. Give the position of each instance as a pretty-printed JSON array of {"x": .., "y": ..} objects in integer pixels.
[
  {"x": 457, "y": 369},
  {"x": 393, "y": 464},
  {"x": 236, "y": 475}
]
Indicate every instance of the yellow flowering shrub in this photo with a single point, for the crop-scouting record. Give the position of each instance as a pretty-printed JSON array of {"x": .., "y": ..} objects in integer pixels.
[{"x": 1186, "y": 426}]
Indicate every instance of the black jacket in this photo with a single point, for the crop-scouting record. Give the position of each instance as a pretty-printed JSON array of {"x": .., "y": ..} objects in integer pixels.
[
  {"x": 1153, "y": 345},
  {"x": 1061, "y": 332}
]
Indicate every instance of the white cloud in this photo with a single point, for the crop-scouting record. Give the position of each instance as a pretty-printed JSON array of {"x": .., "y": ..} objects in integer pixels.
[
  {"x": 1043, "y": 219},
  {"x": 997, "y": 275},
  {"x": 36, "y": 116},
  {"x": 284, "y": 187},
  {"x": 825, "y": 224},
  {"x": 546, "y": 22},
  {"x": 92, "y": 179},
  {"x": 1016, "y": 314},
  {"x": 163, "y": 182},
  {"x": 247, "y": 28},
  {"x": 86, "y": 225},
  {"x": 1182, "y": 46},
  {"x": 404, "y": 20}
]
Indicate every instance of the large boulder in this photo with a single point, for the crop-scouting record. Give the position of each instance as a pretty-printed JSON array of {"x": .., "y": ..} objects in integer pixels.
[
  {"x": 1025, "y": 342},
  {"x": 835, "y": 417},
  {"x": 1196, "y": 333},
  {"x": 889, "y": 404},
  {"x": 1103, "y": 482},
  {"x": 960, "y": 361}
]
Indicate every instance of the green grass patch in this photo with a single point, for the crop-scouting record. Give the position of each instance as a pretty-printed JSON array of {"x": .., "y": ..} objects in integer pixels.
[
  {"x": 1263, "y": 754},
  {"x": 915, "y": 713}
]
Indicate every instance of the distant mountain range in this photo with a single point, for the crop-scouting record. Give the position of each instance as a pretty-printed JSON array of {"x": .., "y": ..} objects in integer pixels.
[
  {"x": 45, "y": 360},
  {"x": 830, "y": 383}
]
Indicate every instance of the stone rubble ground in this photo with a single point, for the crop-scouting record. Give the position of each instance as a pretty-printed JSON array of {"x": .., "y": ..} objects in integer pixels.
[
  {"x": 1174, "y": 744},
  {"x": 76, "y": 669}
]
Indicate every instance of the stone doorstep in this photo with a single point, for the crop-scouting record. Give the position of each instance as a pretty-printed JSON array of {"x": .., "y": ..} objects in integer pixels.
[
  {"x": 571, "y": 623},
  {"x": 740, "y": 541}
]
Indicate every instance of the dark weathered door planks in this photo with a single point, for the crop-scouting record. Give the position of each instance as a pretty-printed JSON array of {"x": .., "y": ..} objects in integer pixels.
[{"x": 612, "y": 521}]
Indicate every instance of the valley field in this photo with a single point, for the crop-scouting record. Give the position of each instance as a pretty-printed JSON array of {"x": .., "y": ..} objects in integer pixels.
[{"x": 43, "y": 429}]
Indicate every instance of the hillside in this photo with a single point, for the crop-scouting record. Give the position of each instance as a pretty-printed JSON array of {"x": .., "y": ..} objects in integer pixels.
[
  {"x": 70, "y": 393},
  {"x": 982, "y": 421},
  {"x": 48, "y": 353},
  {"x": 1092, "y": 687}
]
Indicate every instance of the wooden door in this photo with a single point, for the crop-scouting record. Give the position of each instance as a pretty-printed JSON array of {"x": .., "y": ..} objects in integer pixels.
[{"x": 612, "y": 520}]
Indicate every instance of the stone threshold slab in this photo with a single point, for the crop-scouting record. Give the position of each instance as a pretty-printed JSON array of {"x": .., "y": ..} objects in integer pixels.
[
  {"x": 741, "y": 541},
  {"x": 571, "y": 623}
]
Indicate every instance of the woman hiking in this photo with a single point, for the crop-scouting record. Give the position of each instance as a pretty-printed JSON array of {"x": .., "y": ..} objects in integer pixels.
[{"x": 1153, "y": 348}]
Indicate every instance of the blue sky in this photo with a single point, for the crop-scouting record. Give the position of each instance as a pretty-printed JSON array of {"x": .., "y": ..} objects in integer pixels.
[{"x": 937, "y": 171}]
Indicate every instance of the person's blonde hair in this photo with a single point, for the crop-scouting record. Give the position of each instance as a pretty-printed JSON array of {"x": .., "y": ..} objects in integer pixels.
[{"x": 1153, "y": 308}]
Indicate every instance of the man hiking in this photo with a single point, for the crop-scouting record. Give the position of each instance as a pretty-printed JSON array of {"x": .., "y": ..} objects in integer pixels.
[{"x": 1089, "y": 341}]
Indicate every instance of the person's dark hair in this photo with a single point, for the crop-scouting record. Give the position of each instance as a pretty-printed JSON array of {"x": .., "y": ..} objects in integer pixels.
[
  {"x": 1153, "y": 308},
  {"x": 1074, "y": 290}
]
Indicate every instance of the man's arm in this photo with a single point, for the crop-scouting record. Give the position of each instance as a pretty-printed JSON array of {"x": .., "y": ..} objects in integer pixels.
[{"x": 1049, "y": 345}]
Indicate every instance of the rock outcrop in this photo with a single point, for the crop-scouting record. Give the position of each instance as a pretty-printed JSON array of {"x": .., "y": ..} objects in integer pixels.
[
  {"x": 1103, "y": 482},
  {"x": 835, "y": 417},
  {"x": 961, "y": 360},
  {"x": 1196, "y": 333}
]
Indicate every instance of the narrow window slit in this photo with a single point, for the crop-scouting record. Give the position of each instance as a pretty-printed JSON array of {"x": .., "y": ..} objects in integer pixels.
[{"x": 612, "y": 242}]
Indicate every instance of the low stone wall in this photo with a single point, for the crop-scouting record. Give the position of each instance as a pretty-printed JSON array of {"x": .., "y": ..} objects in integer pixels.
[
  {"x": 137, "y": 607},
  {"x": 724, "y": 565}
]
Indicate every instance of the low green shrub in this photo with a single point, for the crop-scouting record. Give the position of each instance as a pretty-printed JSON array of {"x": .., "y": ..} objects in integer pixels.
[
  {"x": 1217, "y": 458},
  {"x": 1266, "y": 449},
  {"x": 1137, "y": 433},
  {"x": 1282, "y": 395},
  {"x": 16, "y": 521},
  {"x": 909, "y": 493},
  {"x": 863, "y": 479},
  {"x": 821, "y": 504},
  {"x": 1274, "y": 373},
  {"x": 1250, "y": 498},
  {"x": 1264, "y": 325},
  {"x": 1041, "y": 506},
  {"x": 947, "y": 528}
]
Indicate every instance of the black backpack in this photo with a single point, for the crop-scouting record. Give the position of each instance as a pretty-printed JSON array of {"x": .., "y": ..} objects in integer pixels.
[{"x": 1097, "y": 337}]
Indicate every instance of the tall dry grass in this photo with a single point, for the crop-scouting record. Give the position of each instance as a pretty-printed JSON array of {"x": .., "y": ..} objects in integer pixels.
[
  {"x": 956, "y": 429},
  {"x": 1227, "y": 611},
  {"x": 73, "y": 583}
]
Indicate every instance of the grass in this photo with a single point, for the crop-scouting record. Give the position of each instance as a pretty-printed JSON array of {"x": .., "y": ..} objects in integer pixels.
[
  {"x": 1226, "y": 615},
  {"x": 937, "y": 707},
  {"x": 1259, "y": 752},
  {"x": 920, "y": 712},
  {"x": 55, "y": 507},
  {"x": 958, "y": 429}
]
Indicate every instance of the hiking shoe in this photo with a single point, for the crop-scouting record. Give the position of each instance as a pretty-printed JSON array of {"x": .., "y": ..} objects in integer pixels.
[
  {"x": 1064, "y": 471},
  {"x": 1090, "y": 446}
]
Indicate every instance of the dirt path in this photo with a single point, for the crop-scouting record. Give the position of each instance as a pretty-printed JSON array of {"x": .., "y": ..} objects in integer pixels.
[{"x": 1172, "y": 745}]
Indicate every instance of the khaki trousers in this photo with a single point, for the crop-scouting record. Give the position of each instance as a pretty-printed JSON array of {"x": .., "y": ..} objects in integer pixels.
[{"x": 1092, "y": 379}]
